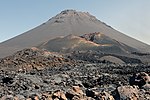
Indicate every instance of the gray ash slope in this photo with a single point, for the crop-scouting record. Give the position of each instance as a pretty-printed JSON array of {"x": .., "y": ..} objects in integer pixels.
[{"x": 63, "y": 24}]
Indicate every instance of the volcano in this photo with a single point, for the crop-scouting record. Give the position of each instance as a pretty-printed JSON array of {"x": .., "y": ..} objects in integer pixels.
[
  {"x": 68, "y": 22},
  {"x": 74, "y": 56}
]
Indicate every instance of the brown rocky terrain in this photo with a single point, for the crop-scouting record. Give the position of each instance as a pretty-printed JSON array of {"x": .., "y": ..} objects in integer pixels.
[
  {"x": 33, "y": 58},
  {"x": 34, "y": 74}
]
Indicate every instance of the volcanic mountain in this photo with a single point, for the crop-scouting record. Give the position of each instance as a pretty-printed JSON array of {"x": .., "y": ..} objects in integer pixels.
[
  {"x": 74, "y": 56},
  {"x": 63, "y": 24}
]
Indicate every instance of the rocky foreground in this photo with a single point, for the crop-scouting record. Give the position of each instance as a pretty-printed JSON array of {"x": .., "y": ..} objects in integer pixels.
[{"x": 34, "y": 74}]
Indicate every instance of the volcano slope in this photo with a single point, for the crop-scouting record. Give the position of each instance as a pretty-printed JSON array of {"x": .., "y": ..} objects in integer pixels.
[{"x": 63, "y": 24}]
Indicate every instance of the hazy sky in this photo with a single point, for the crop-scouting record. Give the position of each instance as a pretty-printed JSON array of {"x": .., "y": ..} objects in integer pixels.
[{"x": 131, "y": 17}]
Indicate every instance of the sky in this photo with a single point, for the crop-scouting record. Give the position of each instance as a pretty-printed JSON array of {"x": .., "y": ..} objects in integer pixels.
[{"x": 131, "y": 17}]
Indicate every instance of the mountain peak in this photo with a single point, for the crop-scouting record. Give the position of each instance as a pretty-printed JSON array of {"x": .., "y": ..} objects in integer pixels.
[
  {"x": 68, "y": 11},
  {"x": 65, "y": 23},
  {"x": 73, "y": 14}
]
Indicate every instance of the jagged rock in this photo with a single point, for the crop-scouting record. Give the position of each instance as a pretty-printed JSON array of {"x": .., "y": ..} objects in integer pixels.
[
  {"x": 105, "y": 96},
  {"x": 90, "y": 93},
  {"x": 7, "y": 80},
  {"x": 75, "y": 92},
  {"x": 59, "y": 94},
  {"x": 139, "y": 79},
  {"x": 128, "y": 92},
  {"x": 99, "y": 95},
  {"x": 46, "y": 96},
  {"x": 146, "y": 87},
  {"x": 36, "y": 98},
  {"x": 20, "y": 97},
  {"x": 33, "y": 96}
]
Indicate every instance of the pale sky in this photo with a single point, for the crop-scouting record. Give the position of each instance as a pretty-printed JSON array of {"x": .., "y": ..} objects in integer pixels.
[{"x": 131, "y": 17}]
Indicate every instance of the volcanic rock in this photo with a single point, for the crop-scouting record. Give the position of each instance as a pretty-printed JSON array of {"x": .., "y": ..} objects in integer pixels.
[
  {"x": 140, "y": 79},
  {"x": 59, "y": 94},
  {"x": 75, "y": 92},
  {"x": 32, "y": 58},
  {"x": 128, "y": 92}
]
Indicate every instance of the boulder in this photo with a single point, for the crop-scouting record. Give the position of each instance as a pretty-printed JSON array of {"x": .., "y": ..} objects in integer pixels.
[
  {"x": 59, "y": 94},
  {"x": 99, "y": 95},
  {"x": 146, "y": 87},
  {"x": 75, "y": 91},
  {"x": 128, "y": 93},
  {"x": 139, "y": 79}
]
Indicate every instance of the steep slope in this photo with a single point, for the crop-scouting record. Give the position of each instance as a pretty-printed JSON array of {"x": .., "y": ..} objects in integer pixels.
[
  {"x": 68, "y": 44},
  {"x": 65, "y": 23},
  {"x": 92, "y": 41},
  {"x": 102, "y": 39}
]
